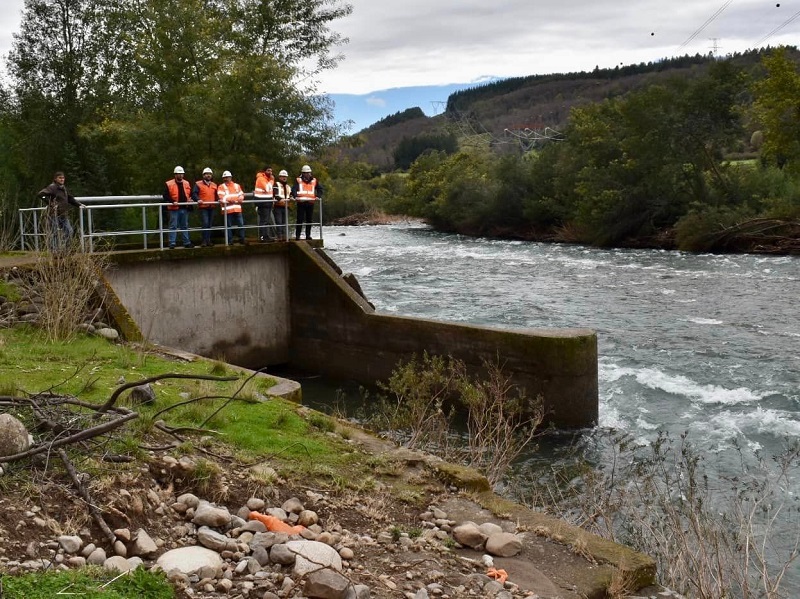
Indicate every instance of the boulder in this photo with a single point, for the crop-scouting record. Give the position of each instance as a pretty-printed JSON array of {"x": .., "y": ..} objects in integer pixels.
[
  {"x": 13, "y": 436},
  {"x": 312, "y": 556},
  {"x": 326, "y": 584},
  {"x": 188, "y": 560},
  {"x": 503, "y": 544},
  {"x": 469, "y": 535}
]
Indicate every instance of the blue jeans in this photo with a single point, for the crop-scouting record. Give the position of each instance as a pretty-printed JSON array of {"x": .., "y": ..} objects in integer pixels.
[
  {"x": 179, "y": 219},
  {"x": 280, "y": 222},
  {"x": 60, "y": 232},
  {"x": 235, "y": 220},
  {"x": 207, "y": 221}
]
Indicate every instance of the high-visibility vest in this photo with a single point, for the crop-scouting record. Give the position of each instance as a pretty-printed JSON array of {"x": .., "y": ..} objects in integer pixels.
[
  {"x": 306, "y": 192},
  {"x": 206, "y": 194},
  {"x": 263, "y": 188},
  {"x": 230, "y": 197},
  {"x": 283, "y": 192},
  {"x": 172, "y": 186}
]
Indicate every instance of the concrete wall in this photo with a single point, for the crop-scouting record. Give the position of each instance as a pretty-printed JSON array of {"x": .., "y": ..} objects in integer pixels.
[
  {"x": 226, "y": 303},
  {"x": 337, "y": 333}
]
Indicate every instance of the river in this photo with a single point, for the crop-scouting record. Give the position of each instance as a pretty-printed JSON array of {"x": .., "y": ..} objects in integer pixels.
[{"x": 697, "y": 343}]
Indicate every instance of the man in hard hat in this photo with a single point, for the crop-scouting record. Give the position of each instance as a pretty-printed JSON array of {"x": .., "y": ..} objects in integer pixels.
[
  {"x": 204, "y": 193},
  {"x": 58, "y": 202},
  {"x": 282, "y": 194},
  {"x": 178, "y": 197},
  {"x": 306, "y": 191},
  {"x": 230, "y": 197},
  {"x": 265, "y": 202}
]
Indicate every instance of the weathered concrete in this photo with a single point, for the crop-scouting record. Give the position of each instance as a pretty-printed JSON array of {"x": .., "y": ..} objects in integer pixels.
[
  {"x": 289, "y": 303},
  {"x": 230, "y": 303},
  {"x": 336, "y": 332}
]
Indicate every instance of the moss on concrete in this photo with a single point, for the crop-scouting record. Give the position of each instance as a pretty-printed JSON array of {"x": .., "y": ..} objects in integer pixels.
[{"x": 462, "y": 477}]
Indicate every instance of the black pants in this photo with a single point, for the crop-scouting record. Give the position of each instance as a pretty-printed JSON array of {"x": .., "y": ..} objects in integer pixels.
[{"x": 305, "y": 212}]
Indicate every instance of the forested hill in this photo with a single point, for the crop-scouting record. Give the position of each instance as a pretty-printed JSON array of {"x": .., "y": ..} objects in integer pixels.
[{"x": 507, "y": 112}]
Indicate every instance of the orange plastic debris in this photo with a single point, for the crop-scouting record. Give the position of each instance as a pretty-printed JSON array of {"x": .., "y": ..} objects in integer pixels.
[
  {"x": 499, "y": 575},
  {"x": 276, "y": 524}
]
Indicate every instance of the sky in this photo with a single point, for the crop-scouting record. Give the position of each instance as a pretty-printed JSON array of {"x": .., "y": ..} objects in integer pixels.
[{"x": 422, "y": 43}]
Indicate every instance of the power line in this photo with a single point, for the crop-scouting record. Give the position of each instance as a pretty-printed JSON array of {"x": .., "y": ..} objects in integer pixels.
[
  {"x": 706, "y": 24},
  {"x": 777, "y": 29}
]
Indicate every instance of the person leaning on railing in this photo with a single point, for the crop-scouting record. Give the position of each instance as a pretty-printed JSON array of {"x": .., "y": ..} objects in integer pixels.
[
  {"x": 282, "y": 194},
  {"x": 265, "y": 202},
  {"x": 58, "y": 202},
  {"x": 306, "y": 191},
  {"x": 178, "y": 194},
  {"x": 204, "y": 193}
]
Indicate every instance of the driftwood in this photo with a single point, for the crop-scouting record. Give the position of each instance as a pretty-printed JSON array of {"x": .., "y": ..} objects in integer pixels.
[{"x": 759, "y": 235}]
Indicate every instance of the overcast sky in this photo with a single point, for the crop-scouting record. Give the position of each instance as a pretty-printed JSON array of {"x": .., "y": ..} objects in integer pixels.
[{"x": 398, "y": 43}]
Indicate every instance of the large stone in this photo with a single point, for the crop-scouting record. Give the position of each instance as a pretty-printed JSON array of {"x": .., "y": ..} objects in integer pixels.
[
  {"x": 13, "y": 436},
  {"x": 108, "y": 333},
  {"x": 214, "y": 540},
  {"x": 143, "y": 394},
  {"x": 207, "y": 514},
  {"x": 469, "y": 535},
  {"x": 143, "y": 544},
  {"x": 326, "y": 584},
  {"x": 503, "y": 544},
  {"x": 118, "y": 563},
  {"x": 281, "y": 554},
  {"x": 312, "y": 556},
  {"x": 188, "y": 560},
  {"x": 70, "y": 543}
]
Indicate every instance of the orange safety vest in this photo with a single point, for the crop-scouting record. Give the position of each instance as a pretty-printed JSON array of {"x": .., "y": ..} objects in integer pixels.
[
  {"x": 172, "y": 186},
  {"x": 284, "y": 192},
  {"x": 306, "y": 192},
  {"x": 206, "y": 194},
  {"x": 263, "y": 188},
  {"x": 230, "y": 197}
]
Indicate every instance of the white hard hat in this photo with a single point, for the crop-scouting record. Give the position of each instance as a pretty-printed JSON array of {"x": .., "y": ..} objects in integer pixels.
[
  {"x": 226, "y": 174},
  {"x": 208, "y": 170},
  {"x": 178, "y": 170},
  {"x": 305, "y": 169},
  {"x": 283, "y": 174}
]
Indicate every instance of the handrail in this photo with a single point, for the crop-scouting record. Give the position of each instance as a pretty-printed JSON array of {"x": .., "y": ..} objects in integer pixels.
[{"x": 88, "y": 215}]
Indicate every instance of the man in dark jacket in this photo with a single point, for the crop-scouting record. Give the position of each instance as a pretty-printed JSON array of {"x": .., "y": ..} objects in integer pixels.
[{"x": 58, "y": 202}]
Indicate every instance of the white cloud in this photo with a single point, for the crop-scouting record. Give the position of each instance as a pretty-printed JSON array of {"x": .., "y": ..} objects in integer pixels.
[
  {"x": 376, "y": 101},
  {"x": 396, "y": 43}
]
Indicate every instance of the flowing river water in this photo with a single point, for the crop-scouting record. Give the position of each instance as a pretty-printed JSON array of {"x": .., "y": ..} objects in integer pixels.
[{"x": 702, "y": 344}]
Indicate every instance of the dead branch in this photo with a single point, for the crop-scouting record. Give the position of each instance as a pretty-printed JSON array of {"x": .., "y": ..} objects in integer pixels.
[
  {"x": 84, "y": 494},
  {"x": 118, "y": 391}
]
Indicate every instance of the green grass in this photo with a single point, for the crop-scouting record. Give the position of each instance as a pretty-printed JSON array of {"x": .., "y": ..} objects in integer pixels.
[
  {"x": 87, "y": 583},
  {"x": 9, "y": 291}
]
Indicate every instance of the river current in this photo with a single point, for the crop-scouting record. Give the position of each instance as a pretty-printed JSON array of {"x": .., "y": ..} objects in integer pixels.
[{"x": 702, "y": 344}]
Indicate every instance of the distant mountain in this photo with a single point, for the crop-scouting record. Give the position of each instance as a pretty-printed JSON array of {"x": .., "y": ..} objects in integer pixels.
[
  {"x": 509, "y": 114},
  {"x": 363, "y": 110}
]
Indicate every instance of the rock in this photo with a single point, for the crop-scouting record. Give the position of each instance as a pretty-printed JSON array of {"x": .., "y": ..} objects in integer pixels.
[
  {"x": 123, "y": 534},
  {"x": 215, "y": 540},
  {"x": 76, "y": 561},
  {"x": 97, "y": 557},
  {"x": 307, "y": 518},
  {"x": 292, "y": 506},
  {"x": 189, "y": 500},
  {"x": 489, "y": 528},
  {"x": 13, "y": 436},
  {"x": 108, "y": 333},
  {"x": 254, "y": 504},
  {"x": 326, "y": 584},
  {"x": 359, "y": 591},
  {"x": 504, "y": 544},
  {"x": 188, "y": 560},
  {"x": 346, "y": 553},
  {"x": 143, "y": 544},
  {"x": 70, "y": 543},
  {"x": 143, "y": 394},
  {"x": 118, "y": 563},
  {"x": 281, "y": 554},
  {"x": 312, "y": 556},
  {"x": 120, "y": 549},
  {"x": 469, "y": 535},
  {"x": 261, "y": 555},
  {"x": 207, "y": 514}
]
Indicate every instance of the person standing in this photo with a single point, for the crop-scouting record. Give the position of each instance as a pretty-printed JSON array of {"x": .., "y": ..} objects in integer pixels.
[
  {"x": 263, "y": 193},
  {"x": 204, "y": 193},
  {"x": 58, "y": 202},
  {"x": 178, "y": 195},
  {"x": 306, "y": 191},
  {"x": 282, "y": 194},
  {"x": 231, "y": 196}
]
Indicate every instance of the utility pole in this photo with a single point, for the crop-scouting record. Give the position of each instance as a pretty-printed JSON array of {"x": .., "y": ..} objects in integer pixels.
[{"x": 714, "y": 46}]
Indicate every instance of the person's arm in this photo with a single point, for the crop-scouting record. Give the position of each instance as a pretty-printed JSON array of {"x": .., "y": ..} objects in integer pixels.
[
  {"x": 318, "y": 190},
  {"x": 167, "y": 197},
  {"x": 196, "y": 194},
  {"x": 295, "y": 188},
  {"x": 71, "y": 199}
]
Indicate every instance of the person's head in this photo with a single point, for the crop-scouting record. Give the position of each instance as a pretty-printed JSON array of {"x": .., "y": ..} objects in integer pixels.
[
  {"x": 178, "y": 172},
  {"x": 268, "y": 170},
  {"x": 208, "y": 174},
  {"x": 305, "y": 173},
  {"x": 59, "y": 177},
  {"x": 227, "y": 176},
  {"x": 282, "y": 176}
]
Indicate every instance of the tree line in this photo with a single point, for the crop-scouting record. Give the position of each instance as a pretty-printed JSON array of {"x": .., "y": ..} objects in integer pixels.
[
  {"x": 117, "y": 92},
  {"x": 660, "y": 166}
]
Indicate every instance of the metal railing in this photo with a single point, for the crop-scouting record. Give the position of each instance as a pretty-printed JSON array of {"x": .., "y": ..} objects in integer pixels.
[{"x": 94, "y": 223}]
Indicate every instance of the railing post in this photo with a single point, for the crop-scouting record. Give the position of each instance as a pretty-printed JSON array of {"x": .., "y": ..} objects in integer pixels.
[
  {"x": 161, "y": 226},
  {"x": 22, "y": 231},
  {"x": 144, "y": 227},
  {"x": 36, "y": 230},
  {"x": 81, "y": 224},
  {"x": 320, "y": 219}
]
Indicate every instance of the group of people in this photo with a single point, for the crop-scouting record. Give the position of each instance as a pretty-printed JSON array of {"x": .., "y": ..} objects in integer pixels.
[{"x": 272, "y": 197}]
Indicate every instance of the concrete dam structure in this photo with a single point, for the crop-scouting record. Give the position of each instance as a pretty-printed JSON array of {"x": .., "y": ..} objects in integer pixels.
[{"x": 289, "y": 304}]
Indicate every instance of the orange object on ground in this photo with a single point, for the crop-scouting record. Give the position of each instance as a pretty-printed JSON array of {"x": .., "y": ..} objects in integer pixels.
[
  {"x": 276, "y": 524},
  {"x": 499, "y": 575}
]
